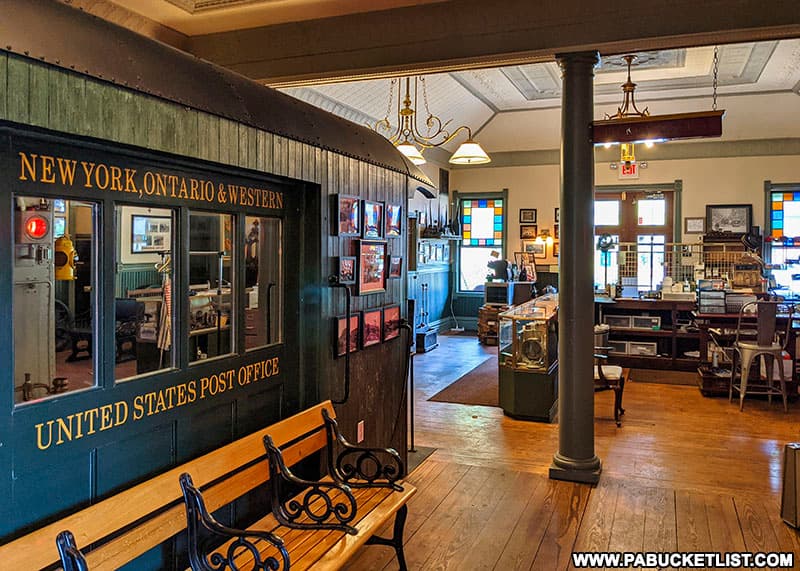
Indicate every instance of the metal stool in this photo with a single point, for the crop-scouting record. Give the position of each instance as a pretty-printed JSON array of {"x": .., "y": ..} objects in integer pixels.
[{"x": 766, "y": 342}]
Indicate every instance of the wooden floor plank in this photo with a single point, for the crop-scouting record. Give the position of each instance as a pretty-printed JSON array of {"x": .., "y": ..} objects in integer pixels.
[
  {"x": 520, "y": 550},
  {"x": 691, "y": 521},
  {"x": 471, "y": 522},
  {"x": 723, "y": 524},
  {"x": 756, "y": 527},
  {"x": 660, "y": 534},
  {"x": 500, "y": 524},
  {"x": 595, "y": 531},
  {"x": 555, "y": 550}
]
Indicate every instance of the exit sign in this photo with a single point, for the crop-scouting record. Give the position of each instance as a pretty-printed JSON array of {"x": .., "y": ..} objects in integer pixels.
[{"x": 628, "y": 170}]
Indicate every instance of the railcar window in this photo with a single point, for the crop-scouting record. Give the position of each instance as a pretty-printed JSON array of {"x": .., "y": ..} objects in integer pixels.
[
  {"x": 263, "y": 257},
  {"x": 143, "y": 291},
  {"x": 211, "y": 281},
  {"x": 54, "y": 296}
]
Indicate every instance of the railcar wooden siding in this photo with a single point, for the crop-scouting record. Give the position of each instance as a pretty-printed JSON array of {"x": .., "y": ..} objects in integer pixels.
[{"x": 38, "y": 94}]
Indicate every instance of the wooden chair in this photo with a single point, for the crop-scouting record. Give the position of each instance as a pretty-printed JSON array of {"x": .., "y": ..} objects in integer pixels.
[
  {"x": 758, "y": 335},
  {"x": 610, "y": 377}
]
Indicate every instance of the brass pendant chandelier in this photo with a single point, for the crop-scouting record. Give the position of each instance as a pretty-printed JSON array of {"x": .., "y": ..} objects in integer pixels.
[
  {"x": 629, "y": 125},
  {"x": 407, "y": 136}
]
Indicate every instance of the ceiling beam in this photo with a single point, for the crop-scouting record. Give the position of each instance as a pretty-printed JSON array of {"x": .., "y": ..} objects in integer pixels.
[{"x": 466, "y": 34}]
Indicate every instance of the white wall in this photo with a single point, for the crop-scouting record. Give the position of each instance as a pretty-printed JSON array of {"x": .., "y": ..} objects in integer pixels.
[{"x": 705, "y": 181}]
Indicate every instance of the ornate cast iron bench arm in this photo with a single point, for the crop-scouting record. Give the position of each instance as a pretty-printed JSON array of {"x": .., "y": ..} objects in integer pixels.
[
  {"x": 360, "y": 467},
  {"x": 71, "y": 558},
  {"x": 321, "y": 501},
  {"x": 202, "y": 553}
]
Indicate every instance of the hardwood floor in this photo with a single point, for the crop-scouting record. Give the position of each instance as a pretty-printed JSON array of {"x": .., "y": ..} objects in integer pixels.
[{"x": 683, "y": 473}]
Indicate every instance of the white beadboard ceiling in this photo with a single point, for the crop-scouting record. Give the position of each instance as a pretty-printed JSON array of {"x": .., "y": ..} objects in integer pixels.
[{"x": 517, "y": 108}]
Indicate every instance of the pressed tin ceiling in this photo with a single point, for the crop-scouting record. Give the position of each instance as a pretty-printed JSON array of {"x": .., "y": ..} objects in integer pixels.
[{"x": 668, "y": 81}]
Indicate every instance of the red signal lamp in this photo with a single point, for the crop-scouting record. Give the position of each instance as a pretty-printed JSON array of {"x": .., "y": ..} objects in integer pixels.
[{"x": 37, "y": 227}]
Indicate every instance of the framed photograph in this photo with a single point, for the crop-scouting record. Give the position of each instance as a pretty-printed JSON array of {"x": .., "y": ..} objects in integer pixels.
[
  {"x": 694, "y": 225},
  {"x": 537, "y": 248},
  {"x": 347, "y": 269},
  {"x": 371, "y": 267},
  {"x": 395, "y": 267},
  {"x": 528, "y": 231},
  {"x": 150, "y": 234},
  {"x": 341, "y": 334},
  {"x": 734, "y": 218},
  {"x": 528, "y": 246},
  {"x": 391, "y": 322},
  {"x": 373, "y": 219},
  {"x": 555, "y": 218},
  {"x": 394, "y": 220},
  {"x": 371, "y": 326},
  {"x": 555, "y": 231},
  {"x": 527, "y": 216},
  {"x": 555, "y": 249},
  {"x": 348, "y": 213}
]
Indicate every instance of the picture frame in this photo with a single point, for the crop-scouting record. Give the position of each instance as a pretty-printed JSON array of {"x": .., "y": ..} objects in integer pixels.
[
  {"x": 370, "y": 266},
  {"x": 395, "y": 267},
  {"x": 340, "y": 338},
  {"x": 391, "y": 322},
  {"x": 394, "y": 221},
  {"x": 528, "y": 231},
  {"x": 150, "y": 234},
  {"x": 372, "y": 219},
  {"x": 347, "y": 270},
  {"x": 694, "y": 225},
  {"x": 527, "y": 216},
  {"x": 732, "y": 218},
  {"x": 371, "y": 327},
  {"x": 539, "y": 250},
  {"x": 556, "y": 249},
  {"x": 528, "y": 246},
  {"x": 555, "y": 231},
  {"x": 347, "y": 215},
  {"x": 555, "y": 216}
]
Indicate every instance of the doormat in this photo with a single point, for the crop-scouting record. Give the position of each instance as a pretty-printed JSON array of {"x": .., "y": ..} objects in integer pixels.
[{"x": 479, "y": 386}]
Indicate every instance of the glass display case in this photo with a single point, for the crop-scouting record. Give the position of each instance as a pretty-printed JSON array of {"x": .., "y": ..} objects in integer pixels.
[{"x": 528, "y": 335}]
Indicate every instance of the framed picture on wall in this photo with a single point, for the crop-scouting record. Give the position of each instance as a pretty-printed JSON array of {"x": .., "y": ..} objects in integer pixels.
[
  {"x": 694, "y": 225},
  {"x": 527, "y": 216},
  {"x": 373, "y": 219},
  {"x": 733, "y": 218},
  {"x": 555, "y": 218},
  {"x": 391, "y": 322},
  {"x": 394, "y": 220},
  {"x": 539, "y": 250},
  {"x": 341, "y": 334},
  {"x": 348, "y": 214},
  {"x": 555, "y": 231},
  {"x": 347, "y": 269},
  {"x": 555, "y": 249},
  {"x": 528, "y": 231},
  {"x": 150, "y": 234},
  {"x": 528, "y": 246},
  {"x": 371, "y": 267},
  {"x": 395, "y": 267},
  {"x": 371, "y": 326}
]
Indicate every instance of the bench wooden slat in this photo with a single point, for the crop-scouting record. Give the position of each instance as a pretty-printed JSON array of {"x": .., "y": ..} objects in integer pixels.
[
  {"x": 163, "y": 526},
  {"x": 37, "y": 549}
]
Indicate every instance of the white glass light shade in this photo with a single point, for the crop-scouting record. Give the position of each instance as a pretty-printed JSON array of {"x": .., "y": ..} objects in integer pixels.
[
  {"x": 411, "y": 152},
  {"x": 470, "y": 153}
]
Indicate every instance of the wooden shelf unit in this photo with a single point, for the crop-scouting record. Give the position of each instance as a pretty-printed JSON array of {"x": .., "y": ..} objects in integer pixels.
[{"x": 672, "y": 341}]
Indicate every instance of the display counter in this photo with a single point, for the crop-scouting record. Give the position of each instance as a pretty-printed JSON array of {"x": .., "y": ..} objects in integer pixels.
[{"x": 528, "y": 359}]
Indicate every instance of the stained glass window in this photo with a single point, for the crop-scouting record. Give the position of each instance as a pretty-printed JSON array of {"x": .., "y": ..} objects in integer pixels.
[
  {"x": 785, "y": 215},
  {"x": 482, "y": 222}
]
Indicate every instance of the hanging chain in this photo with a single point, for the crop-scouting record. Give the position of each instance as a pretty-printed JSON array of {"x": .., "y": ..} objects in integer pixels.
[
  {"x": 425, "y": 96},
  {"x": 716, "y": 73},
  {"x": 391, "y": 96}
]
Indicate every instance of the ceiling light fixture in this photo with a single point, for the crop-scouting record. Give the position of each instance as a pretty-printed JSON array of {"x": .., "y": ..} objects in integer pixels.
[
  {"x": 410, "y": 141},
  {"x": 629, "y": 125}
]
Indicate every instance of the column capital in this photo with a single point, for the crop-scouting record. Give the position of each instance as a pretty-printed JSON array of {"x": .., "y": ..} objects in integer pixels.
[{"x": 591, "y": 58}]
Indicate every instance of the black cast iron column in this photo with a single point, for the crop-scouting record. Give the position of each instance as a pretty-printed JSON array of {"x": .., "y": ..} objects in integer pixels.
[{"x": 575, "y": 460}]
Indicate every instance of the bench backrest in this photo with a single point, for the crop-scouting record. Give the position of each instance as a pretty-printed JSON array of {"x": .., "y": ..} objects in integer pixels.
[{"x": 158, "y": 503}]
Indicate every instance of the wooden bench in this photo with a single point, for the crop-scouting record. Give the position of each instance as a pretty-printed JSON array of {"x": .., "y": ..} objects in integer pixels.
[{"x": 322, "y": 526}]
